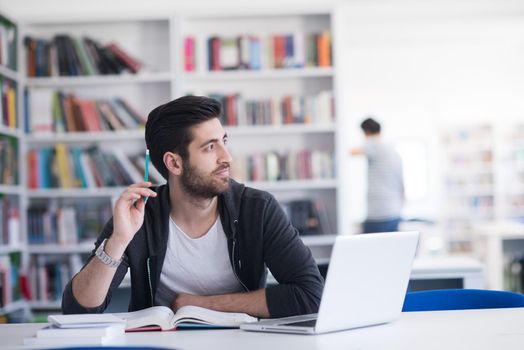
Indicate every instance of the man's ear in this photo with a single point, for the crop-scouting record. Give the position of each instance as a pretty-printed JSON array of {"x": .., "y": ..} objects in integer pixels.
[{"x": 173, "y": 163}]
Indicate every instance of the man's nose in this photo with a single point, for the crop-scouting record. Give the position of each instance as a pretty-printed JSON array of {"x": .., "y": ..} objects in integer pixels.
[{"x": 225, "y": 156}]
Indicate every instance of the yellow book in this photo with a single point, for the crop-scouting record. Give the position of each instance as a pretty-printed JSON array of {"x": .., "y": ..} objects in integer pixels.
[
  {"x": 11, "y": 107},
  {"x": 64, "y": 169}
]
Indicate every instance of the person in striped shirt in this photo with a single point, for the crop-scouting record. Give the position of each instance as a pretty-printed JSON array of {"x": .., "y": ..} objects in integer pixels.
[{"x": 385, "y": 192}]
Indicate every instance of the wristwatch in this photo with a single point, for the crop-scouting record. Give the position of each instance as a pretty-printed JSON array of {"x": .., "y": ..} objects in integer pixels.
[{"x": 104, "y": 258}]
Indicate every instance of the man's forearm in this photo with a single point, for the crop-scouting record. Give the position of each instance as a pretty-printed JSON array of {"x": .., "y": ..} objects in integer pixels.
[
  {"x": 252, "y": 303},
  {"x": 90, "y": 285}
]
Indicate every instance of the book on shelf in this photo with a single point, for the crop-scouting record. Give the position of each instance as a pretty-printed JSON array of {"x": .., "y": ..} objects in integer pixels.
[
  {"x": 66, "y": 224},
  {"x": 189, "y": 54},
  {"x": 9, "y": 221},
  {"x": 8, "y": 46},
  {"x": 288, "y": 109},
  {"x": 64, "y": 55},
  {"x": 275, "y": 166},
  {"x": 48, "y": 275},
  {"x": 8, "y": 160},
  {"x": 8, "y": 103},
  {"x": 255, "y": 52},
  {"x": 309, "y": 217},
  {"x": 57, "y": 111},
  {"x": 77, "y": 167},
  {"x": 10, "y": 278}
]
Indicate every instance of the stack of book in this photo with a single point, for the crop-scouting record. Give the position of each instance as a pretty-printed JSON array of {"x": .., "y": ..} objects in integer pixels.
[
  {"x": 106, "y": 329},
  {"x": 68, "y": 56},
  {"x": 100, "y": 329}
]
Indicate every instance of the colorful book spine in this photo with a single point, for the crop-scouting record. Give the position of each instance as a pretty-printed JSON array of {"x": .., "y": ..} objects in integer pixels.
[
  {"x": 316, "y": 109},
  {"x": 8, "y": 160},
  {"x": 57, "y": 111},
  {"x": 83, "y": 168},
  {"x": 65, "y": 55},
  {"x": 274, "y": 166},
  {"x": 8, "y": 103},
  {"x": 252, "y": 52}
]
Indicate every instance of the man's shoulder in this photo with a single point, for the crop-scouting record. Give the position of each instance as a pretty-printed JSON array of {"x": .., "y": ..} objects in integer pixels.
[{"x": 249, "y": 193}]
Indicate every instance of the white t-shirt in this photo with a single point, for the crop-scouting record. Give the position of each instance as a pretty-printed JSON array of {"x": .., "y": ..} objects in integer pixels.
[{"x": 198, "y": 266}]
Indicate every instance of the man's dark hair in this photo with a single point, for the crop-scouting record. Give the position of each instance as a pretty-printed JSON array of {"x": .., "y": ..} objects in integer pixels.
[
  {"x": 168, "y": 126},
  {"x": 370, "y": 126}
]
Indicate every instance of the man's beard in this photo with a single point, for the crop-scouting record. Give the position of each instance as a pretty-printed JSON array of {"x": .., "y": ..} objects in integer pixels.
[{"x": 195, "y": 183}]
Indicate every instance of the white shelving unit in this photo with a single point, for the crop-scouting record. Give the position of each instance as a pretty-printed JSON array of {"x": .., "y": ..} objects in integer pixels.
[
  {"x": 147, "y": 39},
  {"x": 469, "y": 181},
  {"x": 495, "y": 242},
  {"x": 485, "y": 180},
  {"x": 267, "y": 83},
  {"x": 12, "y": 190},
  {"x": 158, "y": 43}
]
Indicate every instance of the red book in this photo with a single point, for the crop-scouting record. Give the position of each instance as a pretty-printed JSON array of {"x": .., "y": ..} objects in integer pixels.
[
  {"x": 130, "y": 62},
  {"x": 90, "y": 115},
  {"x": 189, "y": 54},
  {"x": 287, "y": 108},
  {"x": 279, "y": 50},
  {"x": 232, "y": 119},
  {"x": 215, "y": 52},
  {"x": 33, "y": 169}
]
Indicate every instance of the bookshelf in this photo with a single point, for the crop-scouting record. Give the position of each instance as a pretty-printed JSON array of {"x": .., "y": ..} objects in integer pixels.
[
  {"x": 262, "y": 78},
  {"x": 11, "y": 190},
  {"x": 55, "y": 256},
  {"x": 484, "y": 197},
  {"x": 469, "y": 182},
  {"x": 301, "y": 92}
]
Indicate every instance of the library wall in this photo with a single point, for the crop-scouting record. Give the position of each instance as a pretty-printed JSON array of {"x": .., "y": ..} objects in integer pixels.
[{"x": 421, "y": 69}]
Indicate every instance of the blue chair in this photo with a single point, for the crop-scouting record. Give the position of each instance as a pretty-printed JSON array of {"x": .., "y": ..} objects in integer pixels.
[
  {"x": 460, "y": 299},
  {"x": 129, "y": 347}
]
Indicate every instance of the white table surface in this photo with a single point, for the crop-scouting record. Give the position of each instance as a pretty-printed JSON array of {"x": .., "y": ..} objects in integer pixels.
[{"x": 493, "y": 329}]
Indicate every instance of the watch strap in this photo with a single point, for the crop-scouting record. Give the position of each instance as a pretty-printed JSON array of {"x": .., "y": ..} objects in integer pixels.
[{"x": 104, "y": 257}]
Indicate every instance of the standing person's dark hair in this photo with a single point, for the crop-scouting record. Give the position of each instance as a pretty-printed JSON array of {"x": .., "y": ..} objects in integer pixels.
[
  {"x": 370, "y": 126},
  {"x": 168, "y": 126}
]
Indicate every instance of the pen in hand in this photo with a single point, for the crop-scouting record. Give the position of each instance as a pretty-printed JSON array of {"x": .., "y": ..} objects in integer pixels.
[{"x": 146, "y": 172}]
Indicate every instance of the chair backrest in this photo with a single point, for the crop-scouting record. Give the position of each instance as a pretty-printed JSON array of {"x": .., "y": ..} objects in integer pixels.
[
  {"x": 121, "y": 347},
  {"x": 460, "y": 299}
]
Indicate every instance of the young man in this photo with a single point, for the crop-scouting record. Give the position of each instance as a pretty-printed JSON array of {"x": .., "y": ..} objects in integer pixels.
[
  {"x": 385, "y": 195},
  {"x": 202, "y": 239}
]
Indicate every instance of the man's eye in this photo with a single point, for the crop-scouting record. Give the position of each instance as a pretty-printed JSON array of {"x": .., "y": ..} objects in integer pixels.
[
  {"x": 210, "y": 147},
  {"x": 225, "y": 141}
]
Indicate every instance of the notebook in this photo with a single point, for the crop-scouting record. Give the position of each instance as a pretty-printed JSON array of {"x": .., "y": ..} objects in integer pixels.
[{"x": 365, "y": 285}]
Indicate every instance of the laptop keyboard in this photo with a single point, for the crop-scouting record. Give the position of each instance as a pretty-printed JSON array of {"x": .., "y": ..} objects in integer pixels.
[{"x": 308, "y": 323}]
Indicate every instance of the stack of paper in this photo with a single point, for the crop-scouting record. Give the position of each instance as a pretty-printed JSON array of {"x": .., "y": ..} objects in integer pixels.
[{"x": 78, "y": 330}]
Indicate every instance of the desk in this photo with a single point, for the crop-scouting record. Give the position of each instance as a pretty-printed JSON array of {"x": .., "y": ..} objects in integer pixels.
[
  {"x": 439, "y": 330},
  {"x": 468, "y": 270}
]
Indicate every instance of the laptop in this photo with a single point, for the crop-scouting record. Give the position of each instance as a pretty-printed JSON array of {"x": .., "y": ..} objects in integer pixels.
[{"x": 365, "y": 285}]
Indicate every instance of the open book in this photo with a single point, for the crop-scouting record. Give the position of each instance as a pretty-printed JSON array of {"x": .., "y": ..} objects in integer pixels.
[{"x": 163, "y": 318}]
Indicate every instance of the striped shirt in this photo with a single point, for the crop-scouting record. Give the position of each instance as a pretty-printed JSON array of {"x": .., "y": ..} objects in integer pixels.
[{"x": 385, "y": 194}]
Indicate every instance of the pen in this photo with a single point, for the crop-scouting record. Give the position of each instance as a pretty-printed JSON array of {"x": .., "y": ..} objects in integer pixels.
[{"x": 146, "y": 171}]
